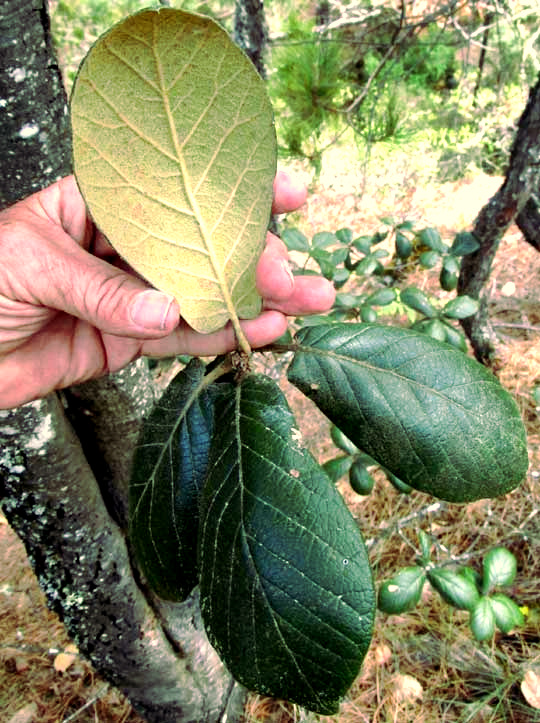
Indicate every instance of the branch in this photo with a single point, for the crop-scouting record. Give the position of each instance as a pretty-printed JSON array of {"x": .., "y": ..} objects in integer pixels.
[
  {"x": 79, "y": 555},
  {"x": 507, "y": 205},
  {"x": 351, "y": 16}
]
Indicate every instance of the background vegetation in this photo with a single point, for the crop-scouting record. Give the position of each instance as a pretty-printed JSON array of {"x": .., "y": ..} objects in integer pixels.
[{"x": 417, "y": 136}]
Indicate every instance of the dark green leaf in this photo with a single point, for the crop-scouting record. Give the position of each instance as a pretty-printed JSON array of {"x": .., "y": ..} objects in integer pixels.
[
  {"x": 168, "y": 470},
  {"x": 448, "y": 277},
  {"x": 507, "y": 614},
  {"x": 402, "y": 592},
  {"x": 464, "y": 243},
  {"x": 368, "y": 265},
  {"x": 368, "y": 313},
  {"x": 295, "y": 240},
  {"x": 455, "y": 337},
  {"x": 382, "y": 297},
  {"x": 341, "y": 441},
  {"x": 344, "y": 236},
  {"x": 363, "y": 244},
  {"x": 455, "y": 589},
  {"x": 322, "y": 239},
  {"x": 404, "y": 245},
  {"x": 471, "y": 575},
  {"x": 320, "y": 254},
  {"x": 286, "y": 590},
  {"x": 500, "y": 567},
  {"x": 339, "y": 255},
  {"x": 425, "y": 544},
  {"x": 379, "y": 237},
  {"x": 285, "y": 338},
  {"x": 429, "y": 414},
  {"x": 450, "y": 263},
  {"x": 338, "y": 467},
  {"x": 435, "y": 329},
  {"x": 431, "y": 238},
  {"x": 406, "y": 225},
  {"x": 482, "y": 620},
  {"x": 323, "y": 258},
  {"x": 398, "y": 485},
  {"x": 416, "y": 299},
  {"x": 340, "y": 278},
  {"x": 347, "y": 300},
  {"x": 429, "y": 259},
  {"x": 461, "y": 307},
  {"x": 314, "y": 320},
  {"x": 349, "y": 264},
  {"x": 360, "y": 479}
]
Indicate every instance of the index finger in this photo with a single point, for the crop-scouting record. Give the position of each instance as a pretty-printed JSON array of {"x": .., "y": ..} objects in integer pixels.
[{"x": 289, "y": 193}]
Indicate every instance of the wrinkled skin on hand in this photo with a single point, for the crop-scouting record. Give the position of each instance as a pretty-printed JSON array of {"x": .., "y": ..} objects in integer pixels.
[{"x": 71, "y": 310}]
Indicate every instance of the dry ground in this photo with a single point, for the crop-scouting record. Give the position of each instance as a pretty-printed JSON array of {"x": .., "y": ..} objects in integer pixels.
[{"x": 423, "y": 667}]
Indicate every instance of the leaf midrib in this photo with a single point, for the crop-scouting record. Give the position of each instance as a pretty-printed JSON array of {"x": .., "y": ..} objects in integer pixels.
[
  {"x": 201, "y": 384},
  {"x": 199, "y": 218},
  {"x": 239, "y": 444},
  {"x": 341, "y": 358}
]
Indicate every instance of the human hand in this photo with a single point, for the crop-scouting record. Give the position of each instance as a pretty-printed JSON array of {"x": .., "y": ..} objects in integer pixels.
[{"x": 70, "y": 310}]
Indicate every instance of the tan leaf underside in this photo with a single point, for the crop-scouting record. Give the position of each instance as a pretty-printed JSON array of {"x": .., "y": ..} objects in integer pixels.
[{"x": 175, "y": 153}]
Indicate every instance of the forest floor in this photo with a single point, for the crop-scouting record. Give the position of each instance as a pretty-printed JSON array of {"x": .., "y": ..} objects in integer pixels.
[{"x": 423, "y": 667}]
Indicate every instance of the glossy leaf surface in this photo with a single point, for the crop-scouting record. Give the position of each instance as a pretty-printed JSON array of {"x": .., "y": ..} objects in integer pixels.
[
  {"x": 286, "y": 590},
  {"x": 416, "y": 299},
  {"x": 500, "y": 568},
  {"x": 168, "y": 470},
  {"x": 423, "y": 410},
  {"x": 175, "y": 153},
  {"x": 359, "y": 478},
  {"x": 337, "y": 467},
  {"x": 482, "y": 620},
  {"x": 455, "y": 589},
  {"x": 507, "y": 614},
  {"x": 401, "y": 592}
]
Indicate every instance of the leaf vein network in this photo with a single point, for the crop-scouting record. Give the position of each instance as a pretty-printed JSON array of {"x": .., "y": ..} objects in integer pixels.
[{"x": 303, "y": 574}]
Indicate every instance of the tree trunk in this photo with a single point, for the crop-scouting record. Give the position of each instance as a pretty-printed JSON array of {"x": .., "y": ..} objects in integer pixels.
[
  {"x": 508, "y": 205},
  {"x": 67, "y": 500},
  {"x": 35, "y": 138},
  {"x": 528, "y": 221},
  {"x": 251, "y": 32},
  {"x": 482, "y": 59}
]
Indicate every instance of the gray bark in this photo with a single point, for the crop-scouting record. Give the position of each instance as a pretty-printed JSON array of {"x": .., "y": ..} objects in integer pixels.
[
  {"x": 80, "y": 558},
  {"x": 35, "y": 141},
  {"x": 508, "y": 205},
  {"x": 65, "y": 498},
  {"x": 251, "y": 32},
  {"x": 528, "y": 221}
]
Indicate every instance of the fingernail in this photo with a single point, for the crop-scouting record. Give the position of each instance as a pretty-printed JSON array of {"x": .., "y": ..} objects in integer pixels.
[
  {"x": 151, "y": 310},
  {"x": 287, "y": 269}
]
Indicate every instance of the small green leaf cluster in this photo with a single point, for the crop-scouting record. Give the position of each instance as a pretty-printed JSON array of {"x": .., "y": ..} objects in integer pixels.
[
  {"x": 341, "y": 257},
  {"x": 224, "y": 494},
  {"x": 356, "y": 464},
  {"x": 462, "y": 588}
]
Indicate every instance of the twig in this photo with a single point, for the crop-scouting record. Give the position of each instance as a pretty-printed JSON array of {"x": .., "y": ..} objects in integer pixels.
[
  {"x": 527, "y": 327},
  {"x": 431, "y": 509},
  {"x": 88, "y": 703}
]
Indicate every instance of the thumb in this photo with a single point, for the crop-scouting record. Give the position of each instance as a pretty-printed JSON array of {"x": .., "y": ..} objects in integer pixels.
[{"x": 108, "y": 298}]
